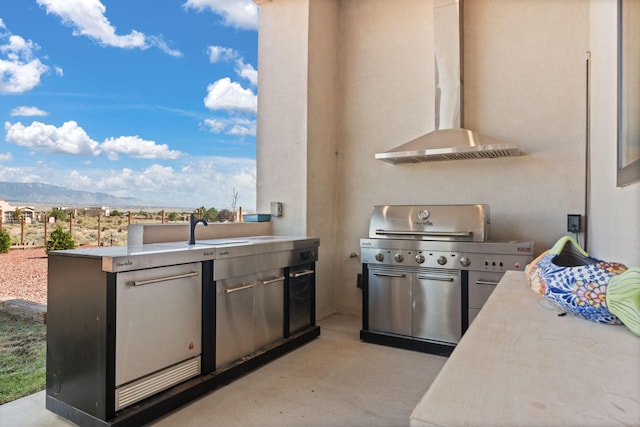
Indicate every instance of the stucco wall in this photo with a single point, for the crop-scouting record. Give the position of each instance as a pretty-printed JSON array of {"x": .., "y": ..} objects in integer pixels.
[
  {"x": 281, "y": 152},
  {"x": 524, "y": 82},
  {"x": 615, "y": 212}
]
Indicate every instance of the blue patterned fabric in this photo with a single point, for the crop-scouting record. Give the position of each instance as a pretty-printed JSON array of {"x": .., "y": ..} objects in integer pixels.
[{"x": 566, "y": 275}]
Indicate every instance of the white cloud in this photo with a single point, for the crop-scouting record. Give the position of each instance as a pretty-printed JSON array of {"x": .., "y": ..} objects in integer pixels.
[
  {"x": 200, "y": 181},
  {"x": 87, "y": 17},
  {"x": 20, "y": 71},
  {"x": 227, "y": 95},
  {"x": 67, "y": 139},
  {"x": 28, "y": 111},
  {"x": 220, "y": 53},
  {"x": 72, "y": 139},
  {"x": 5, "y": 157},
  {"x": 135, "y": 146},
  {"x": 232, "y": 126},
  {"x": 247, "y": 71},
  {"x": 59, "y": 71},
  {"x": 242, "y": 14}
]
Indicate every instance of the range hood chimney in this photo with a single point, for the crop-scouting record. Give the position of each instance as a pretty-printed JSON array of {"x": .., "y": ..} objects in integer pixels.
[{"x": 449, "y": 141}]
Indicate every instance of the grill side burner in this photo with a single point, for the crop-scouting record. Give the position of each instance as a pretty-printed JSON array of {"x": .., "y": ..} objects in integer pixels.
[{"x": 427, "y": 271}]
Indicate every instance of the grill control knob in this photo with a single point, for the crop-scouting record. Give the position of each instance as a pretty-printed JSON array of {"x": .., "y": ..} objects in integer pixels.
[
  {"x": 442, "y": 260},
  {"x": 379, "y": 257},
  {"x": 464, "y": 261},
  {"x": 398, "y": 257},
  {"x": 419, "y": 258}
]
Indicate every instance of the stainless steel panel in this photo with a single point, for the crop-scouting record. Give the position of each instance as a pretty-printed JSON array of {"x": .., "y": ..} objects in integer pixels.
[
  {"x": 158, "y": 324},
  {"x": 430, "y": 222},
  {"x": 437, "y": 306},
  {"x": 481, "y": 285},
  {"x": 152, "y": 384},
  {"x": 390, "y": 301},
  {"x": 473, "y": 313},
  {"x": 269, "y": 306},
  {"x": 234, "y": 319}
]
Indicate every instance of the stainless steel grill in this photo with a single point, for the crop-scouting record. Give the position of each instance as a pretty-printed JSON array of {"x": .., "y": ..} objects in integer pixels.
[{"x": 427, "y": 271}]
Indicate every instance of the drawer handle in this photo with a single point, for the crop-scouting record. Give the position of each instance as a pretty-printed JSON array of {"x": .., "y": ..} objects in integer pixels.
[
  {"x": 301, "y": 273},
  {"x": 485, "y": 282},
  {"x": 162, "y": 279},
  {"x": 439, "y": 279},
  {"x": 389, "y": 274},
  {"x": 239, "y": 288},
  {"x": 274, "y": 280}
]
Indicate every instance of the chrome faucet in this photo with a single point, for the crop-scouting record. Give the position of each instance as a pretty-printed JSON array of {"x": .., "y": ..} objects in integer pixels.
[{"x": 192, "y": 228}]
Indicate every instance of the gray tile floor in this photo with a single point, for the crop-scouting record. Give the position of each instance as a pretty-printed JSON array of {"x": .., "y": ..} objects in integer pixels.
[{"x": 336, "y": 380}]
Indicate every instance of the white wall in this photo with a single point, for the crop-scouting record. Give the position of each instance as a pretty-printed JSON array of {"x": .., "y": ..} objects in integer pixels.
[
  {"x": 615, "y": 212},
  {"x": 370, "y": 62}
]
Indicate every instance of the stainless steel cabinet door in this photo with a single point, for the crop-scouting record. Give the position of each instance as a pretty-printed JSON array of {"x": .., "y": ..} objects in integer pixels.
[
  {"x": 158, "y": 319},
  {"x": 269, "y": 303},
  {"x": 389, "y": 301},
  {"x": 481, "y": 285},
  {"x": 437, "y": 307},
  {"x": 234, "y": 319}
]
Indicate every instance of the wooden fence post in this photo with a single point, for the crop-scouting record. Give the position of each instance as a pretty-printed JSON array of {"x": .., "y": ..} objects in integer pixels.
[
  {"x": 46, "y": 220},
  {"x": 1, "y": 218},
  {"x": 22, "y": 230},
  {"x": 99, "y": 226}
]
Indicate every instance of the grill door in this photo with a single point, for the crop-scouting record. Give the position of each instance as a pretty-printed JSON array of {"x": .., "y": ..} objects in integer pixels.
[
  {"x": 389, "y": 301},
  {"x": 437, "y": 306}
]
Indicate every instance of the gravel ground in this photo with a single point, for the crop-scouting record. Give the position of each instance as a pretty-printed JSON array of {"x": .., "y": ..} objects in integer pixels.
[{"x": 23, "y": 274}]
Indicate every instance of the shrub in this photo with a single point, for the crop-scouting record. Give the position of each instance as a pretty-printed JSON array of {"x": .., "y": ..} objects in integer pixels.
[
  {"x": 60, "y": 239},
  {"x": 58, "y": 215},
  {"x": 5, "y": 241}
]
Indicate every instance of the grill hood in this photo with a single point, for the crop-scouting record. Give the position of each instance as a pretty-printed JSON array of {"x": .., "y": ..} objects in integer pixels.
[{"x": 449, "y": 140}]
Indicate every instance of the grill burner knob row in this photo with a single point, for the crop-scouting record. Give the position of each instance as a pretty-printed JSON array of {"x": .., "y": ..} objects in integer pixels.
[
  {"x": 465, "y": 261},
  {"x": 398, "y": 257},
  {"x": 419, "y": 258},
  {"x": 442, "y": 260},
  {"x": 379, "y": 257}
]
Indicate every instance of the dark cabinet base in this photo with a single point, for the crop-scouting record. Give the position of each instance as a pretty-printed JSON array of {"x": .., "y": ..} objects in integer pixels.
[
  {"x": 171, "y": 399},
  {"x": 407, "y": 343}
]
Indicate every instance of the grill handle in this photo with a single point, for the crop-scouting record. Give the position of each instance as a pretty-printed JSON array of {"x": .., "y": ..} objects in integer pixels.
[
  {"x": 438, "y": 278},
  {"x": 464, "y": 234},
  {"x": 389, "y": 274},
  {"x": 485, "y": 282}
]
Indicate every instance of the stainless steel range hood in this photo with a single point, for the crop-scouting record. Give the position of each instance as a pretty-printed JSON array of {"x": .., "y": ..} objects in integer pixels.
[{"x": 449, "y": 141}]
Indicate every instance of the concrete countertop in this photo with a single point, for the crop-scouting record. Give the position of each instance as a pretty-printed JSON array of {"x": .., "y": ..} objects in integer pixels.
[{"x": 520, "y": 364}]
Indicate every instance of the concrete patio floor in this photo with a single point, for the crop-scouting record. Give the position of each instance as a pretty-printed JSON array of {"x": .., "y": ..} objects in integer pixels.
[{"x": 336, "y": 380}]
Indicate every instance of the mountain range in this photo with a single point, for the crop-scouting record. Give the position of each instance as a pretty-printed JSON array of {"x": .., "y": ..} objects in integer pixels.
[{"x": 37, "y": 193}]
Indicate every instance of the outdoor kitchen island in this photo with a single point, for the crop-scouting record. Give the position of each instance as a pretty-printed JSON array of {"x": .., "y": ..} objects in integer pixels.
[
  {"x": 135, "y": 332},
  {"x": 523, "y": 363}
]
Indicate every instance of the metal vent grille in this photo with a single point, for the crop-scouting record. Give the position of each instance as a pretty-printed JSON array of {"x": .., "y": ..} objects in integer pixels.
[
  {"x": 473, "y": 153},
  {"x": 148, "y": 386}
]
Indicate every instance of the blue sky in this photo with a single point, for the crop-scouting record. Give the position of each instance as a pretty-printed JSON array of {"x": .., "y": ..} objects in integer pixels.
[{"x": 136, "y": 98}]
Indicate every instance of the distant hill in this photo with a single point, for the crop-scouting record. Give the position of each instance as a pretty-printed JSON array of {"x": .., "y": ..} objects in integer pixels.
[{"x": 30, "y": 193}]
